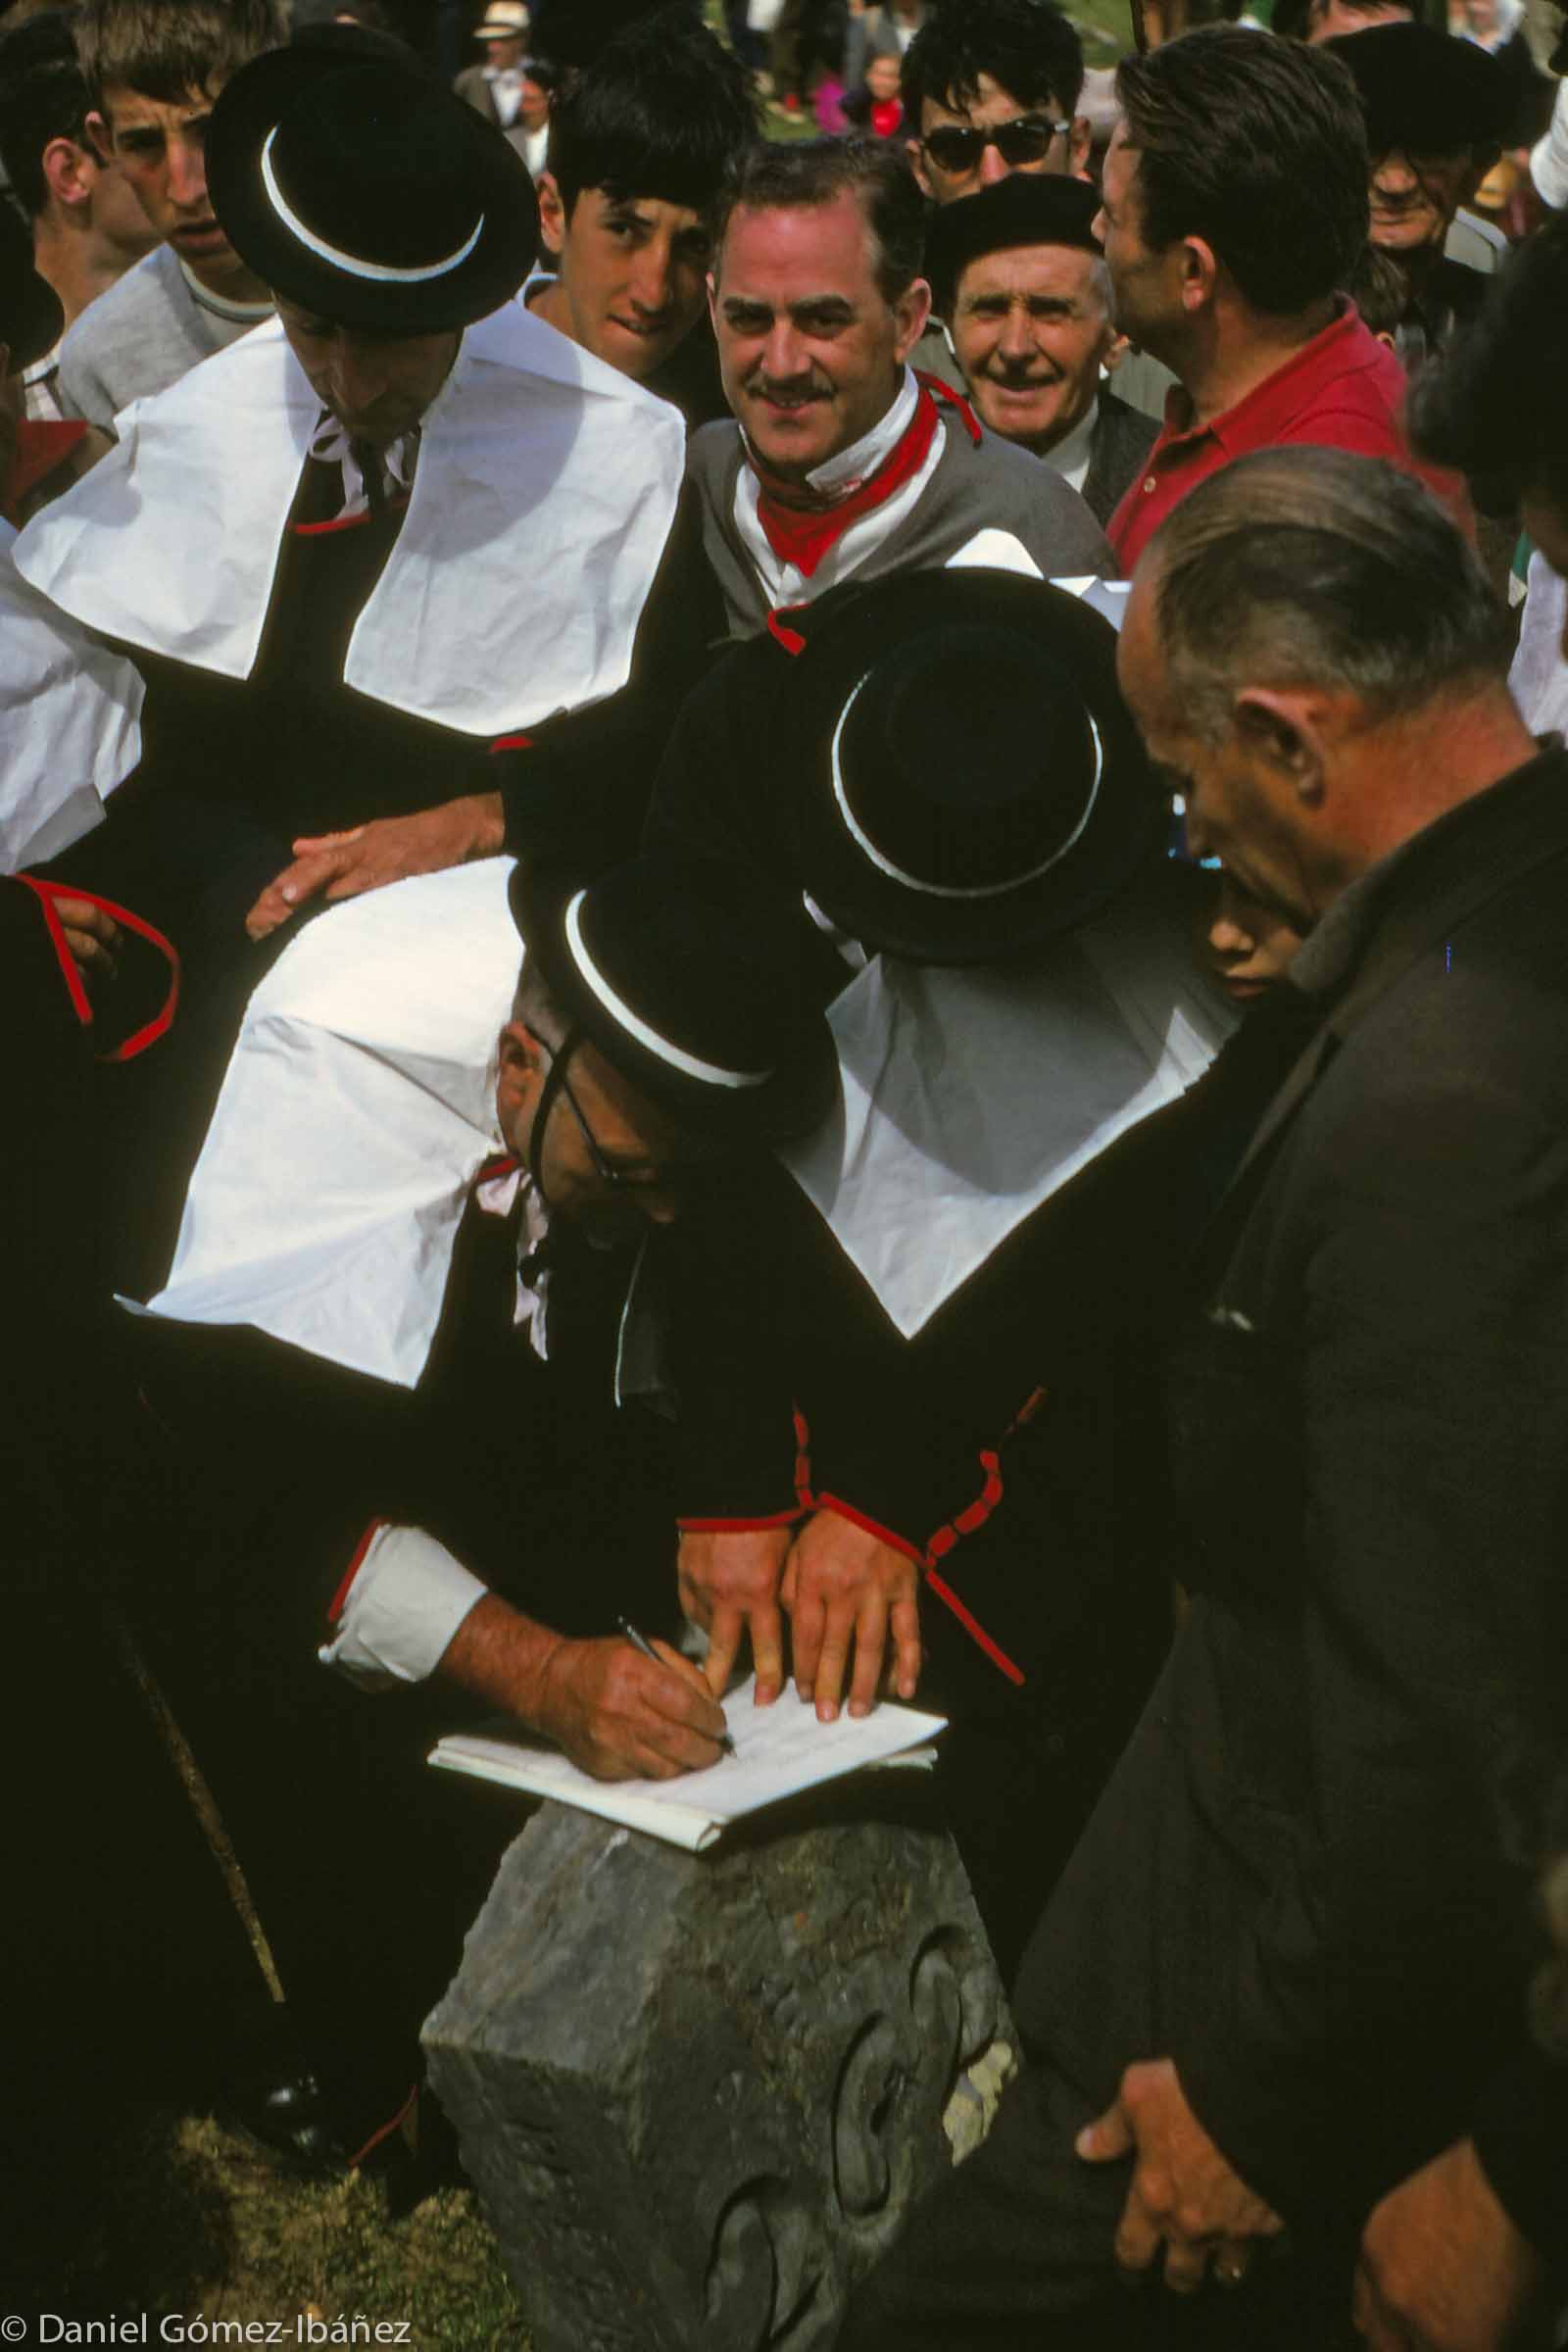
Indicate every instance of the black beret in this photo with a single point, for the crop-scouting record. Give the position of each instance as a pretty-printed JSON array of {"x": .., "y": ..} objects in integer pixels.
[
  {"x": 1424, "y": 90},
  {"x": 1027, "y": 207}
]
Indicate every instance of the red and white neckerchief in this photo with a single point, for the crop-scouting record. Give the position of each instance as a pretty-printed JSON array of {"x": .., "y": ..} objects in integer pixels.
[
  {"x": 331, "y": 444},
  {"x": 867, "y": 491}
]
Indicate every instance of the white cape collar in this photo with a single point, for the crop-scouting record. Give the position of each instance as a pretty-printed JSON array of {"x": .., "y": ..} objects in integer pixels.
[{"x": 545, "y": 491}]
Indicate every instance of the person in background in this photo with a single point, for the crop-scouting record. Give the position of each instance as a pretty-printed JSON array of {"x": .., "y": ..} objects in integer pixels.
[
  {"x": 1234, "y": 203},
  {"x": 1019, "y": 278},
  {"x": 530, "y": 133},
  {"x": 876, "y": 106},
  {"x": 642, "y": 142},
  {"x": 87, "y": 225},
  {"x": 495, "y": 88},
  {"x": 841, "y": 460},
  {"x": 992, "y": 87},
  {"x": 1436, "y": 111},
  {"x": 154, "y": 70}
]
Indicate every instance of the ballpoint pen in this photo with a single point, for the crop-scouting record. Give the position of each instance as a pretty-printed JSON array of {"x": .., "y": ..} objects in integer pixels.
[{"x": 641, "y": 1642}]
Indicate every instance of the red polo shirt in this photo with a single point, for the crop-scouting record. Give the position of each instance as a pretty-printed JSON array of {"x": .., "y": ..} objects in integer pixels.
[{"x": 1342, "y": 390}]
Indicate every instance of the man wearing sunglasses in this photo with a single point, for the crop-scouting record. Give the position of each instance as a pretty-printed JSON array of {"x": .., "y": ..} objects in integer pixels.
[{"x": 992, "y": 89}]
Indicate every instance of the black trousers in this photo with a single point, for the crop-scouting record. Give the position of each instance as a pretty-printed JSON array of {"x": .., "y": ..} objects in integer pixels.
[{"x": 1012, "y": 2253}]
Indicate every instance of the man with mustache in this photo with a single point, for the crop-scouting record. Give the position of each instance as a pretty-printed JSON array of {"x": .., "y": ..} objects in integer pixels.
[
  {"x": 153, "y": 74},
  {"x": 1018, "y": 277},
  {"x": 843, "y": 462}
]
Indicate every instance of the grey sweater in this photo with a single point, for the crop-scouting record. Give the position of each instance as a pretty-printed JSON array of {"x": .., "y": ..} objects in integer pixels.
[
  {"x": 975, "y": 486},
  {"x": 144, "y": 335}
]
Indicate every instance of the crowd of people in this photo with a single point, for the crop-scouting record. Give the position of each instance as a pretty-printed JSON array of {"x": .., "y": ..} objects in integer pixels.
[{"x": 811, "y": 891}]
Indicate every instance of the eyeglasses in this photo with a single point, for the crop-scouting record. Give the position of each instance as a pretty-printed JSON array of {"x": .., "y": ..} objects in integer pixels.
[
  {"x": 663, "y": 1178},
  {"x": 956, "y": 147}
]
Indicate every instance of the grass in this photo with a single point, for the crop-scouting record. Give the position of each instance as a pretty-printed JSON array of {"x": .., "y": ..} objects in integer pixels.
[{"x": 192, "y": 2221}]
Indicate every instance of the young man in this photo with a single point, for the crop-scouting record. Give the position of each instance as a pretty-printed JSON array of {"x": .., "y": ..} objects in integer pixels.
[
  {"x": 1018, "y": 277},
  {"x": 87, "y": 225},
  {"x": 153, "y": 74},
  {"x": 841, "y": 462},
  {"x": 1233, "y": 206},
  {"x": 642, "y": 141},
  {"x": 988, "y": 89}
]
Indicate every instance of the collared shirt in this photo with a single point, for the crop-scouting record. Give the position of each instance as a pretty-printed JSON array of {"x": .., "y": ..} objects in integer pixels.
[
  {"x": 1072, "y": 455},
  {"x": 1342, "y": 390}
]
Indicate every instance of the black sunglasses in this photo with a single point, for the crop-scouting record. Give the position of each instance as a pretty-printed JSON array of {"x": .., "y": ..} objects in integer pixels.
[{"x": 1024, "y": 140}]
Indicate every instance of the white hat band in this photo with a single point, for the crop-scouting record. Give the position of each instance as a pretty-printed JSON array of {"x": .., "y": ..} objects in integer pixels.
[
  {"x": 351, "y": 262},
  {"x": 689, "y": 1065},
  {"x": 947, "y": 890}
]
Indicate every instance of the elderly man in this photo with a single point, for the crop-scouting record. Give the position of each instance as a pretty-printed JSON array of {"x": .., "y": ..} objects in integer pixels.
[
  {"x": 842, "y": 463},
  {"x": 1435, "y": 108},
  {"x": 1017, "y": 274},
  {"x": 643, "y": 140},
  {"x": 1272, "y": 1973},
  {"x": 153, "y": 75},
  {"x": 1235, "y": 206},
  {"x": 1277, "y": 1972}
]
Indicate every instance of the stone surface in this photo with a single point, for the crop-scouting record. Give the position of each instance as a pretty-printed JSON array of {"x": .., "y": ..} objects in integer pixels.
[{"x": 698, "y": 2094}]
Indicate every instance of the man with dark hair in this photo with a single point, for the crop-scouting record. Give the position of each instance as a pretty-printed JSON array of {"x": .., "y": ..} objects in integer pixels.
[
  {"x": 991, "y": 88},
  {"x": 1018, "y": 277},
  {"x": 1437, "y": 108},
  {"x": 154, "y": 70},
  {"x": 87, "y": 225},
  {"x": 1234, "y": 205},
  {"x": 1276, "y": 1973},
  {"x": 842, "y": 462},
  {"x": 642, "y": 141}
]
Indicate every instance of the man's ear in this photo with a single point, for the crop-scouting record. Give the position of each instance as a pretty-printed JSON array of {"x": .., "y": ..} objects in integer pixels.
[
  {"x": 1078, "y": 147},
  {"x": 911, "y": 311},
  {"x": 1200, "y": 273},
  {"x": 552, "y": 213},
  {"x": 1285, "y": 726},
  {"x": 68, "y": 173},
  {"x": 519, "y": 1061},
  {"x": 100, "y": 137},
  {"x": 915, "y": 152}
]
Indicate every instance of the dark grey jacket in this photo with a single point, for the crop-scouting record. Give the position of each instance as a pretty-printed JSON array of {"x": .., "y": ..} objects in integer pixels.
[{"x": 1295, "y": 1885}]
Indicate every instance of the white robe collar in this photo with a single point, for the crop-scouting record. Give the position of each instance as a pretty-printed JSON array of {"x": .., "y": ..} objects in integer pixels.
[{"x": 545, "y": 491}]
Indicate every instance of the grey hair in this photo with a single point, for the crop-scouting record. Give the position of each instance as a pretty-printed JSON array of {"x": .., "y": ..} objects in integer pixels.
[{"x": 1307, "y": 566}]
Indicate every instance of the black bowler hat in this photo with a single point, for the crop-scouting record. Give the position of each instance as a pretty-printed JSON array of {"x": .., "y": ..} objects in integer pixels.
[
  {"x": 360, "y": 189},
  {"x": 1423, "y": 90},
  {"x": 30, "y": 317},
  {"x": 971, "y": 781},
  {"x": 687, "y": 972},
  {"x": 1027, "y": 207}
]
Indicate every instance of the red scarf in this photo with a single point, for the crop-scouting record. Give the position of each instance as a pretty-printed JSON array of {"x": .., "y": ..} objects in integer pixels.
[{"x": 802, "y": 536}]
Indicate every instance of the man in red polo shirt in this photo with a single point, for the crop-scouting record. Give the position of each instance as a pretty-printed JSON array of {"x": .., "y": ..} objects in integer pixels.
[{"x": 1234, "y": 208}]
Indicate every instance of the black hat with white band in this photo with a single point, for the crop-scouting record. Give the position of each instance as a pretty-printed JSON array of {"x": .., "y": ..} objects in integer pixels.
[
  {"x": 687, "y": 972},
  {"x": 367, "y": 193},
  {"x": 971, "y": 781}
]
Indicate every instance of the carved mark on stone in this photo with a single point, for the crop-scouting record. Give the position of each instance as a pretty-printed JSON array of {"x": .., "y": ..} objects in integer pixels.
[
  {"x": 871, "y": 2085},
  {"x": 765, "y": 2272}
]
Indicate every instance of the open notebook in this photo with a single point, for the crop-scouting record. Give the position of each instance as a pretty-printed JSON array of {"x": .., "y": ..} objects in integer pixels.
[{"x": 779, "y": 1751}]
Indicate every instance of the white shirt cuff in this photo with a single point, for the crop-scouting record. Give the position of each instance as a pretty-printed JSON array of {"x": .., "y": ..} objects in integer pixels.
[
  {"x": 1548, "y": 157},
  {"x": 402, "y": 1606}
]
